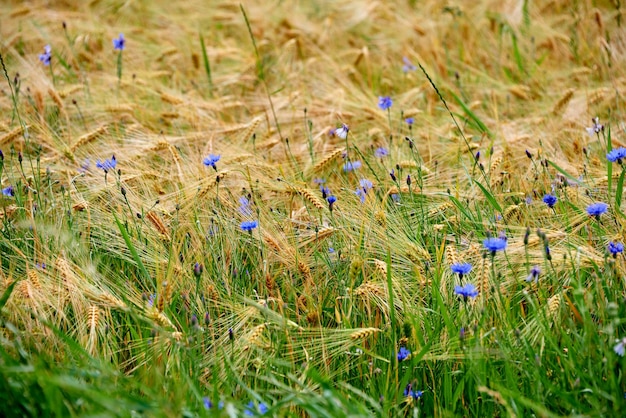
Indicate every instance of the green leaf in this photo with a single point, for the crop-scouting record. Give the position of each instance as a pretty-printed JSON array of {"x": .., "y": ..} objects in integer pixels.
[
  {"x": 133, "y": 251},
  {"x": 7, "y": 294},
  {"x": 207, "y": 64},
  {"x": 492, "y": 200},
  {"x": 471, "y": 114},
  {"x": 619, "y": 191}
]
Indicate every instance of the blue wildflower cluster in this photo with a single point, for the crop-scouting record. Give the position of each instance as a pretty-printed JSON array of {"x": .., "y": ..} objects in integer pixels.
[
  {"x": 46, "y": 57},
  {"x": 119, "y": 43},
  {"x": 108, "y": 164},
  {"x": 384, "y": 102},
  {"x": 467, "y": 291}
]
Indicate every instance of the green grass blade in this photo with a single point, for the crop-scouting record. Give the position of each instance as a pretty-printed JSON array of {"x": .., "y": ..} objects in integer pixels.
[
  {"x": 207, "y": 63},
  {"x": 133, "y": 252},
  {"x": 492, "y": 200},
  {"x": 471, "y": 115},
  {"x": 7, "y": 294}
]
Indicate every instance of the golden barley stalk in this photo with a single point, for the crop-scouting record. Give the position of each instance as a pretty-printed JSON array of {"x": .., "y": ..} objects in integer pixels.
[
  {"x": 11, "y": 135},
  {"x": 407, "y": 164},
  {"x": 563, "y": 101},
  {"x": 56, "y": 99},
  {"x": 158, "y": 224},
  {"x": 256, "y": 334},
  {"x": 111, "y": 301},
  {"x": 363, "y": 333},
  {"x": 553, "y": 305},
  {"x": 326, "y": 161},
  {"x": 34, "y": 278},
  {"x": 247, "y": 133},
  {"x": 69, "y": 90},
  {"x": 483, "y": 279},
  {"x": 511, "y": 212},
  {"x": 88, "y": 137},
  {"x": 168, "y": 98},
  {"x": 64, "y": 269},
  {"x": 160, "y": 319},
  {"x": 451, "y": 255},
  {"x": 381, "y": 267},
  {"x": 495, "y": 164},
  {"x": 308, "y": 195},
  {"x": 440, "y": 209},
  {"x": 92, "y": 318}
]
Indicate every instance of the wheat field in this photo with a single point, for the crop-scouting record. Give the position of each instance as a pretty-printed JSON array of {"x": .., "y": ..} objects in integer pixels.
[{"x": 312, "y": 208}]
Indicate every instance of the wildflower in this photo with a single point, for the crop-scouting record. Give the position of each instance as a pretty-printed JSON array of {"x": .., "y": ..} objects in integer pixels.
[
  {"x": 244, "y": 206},
  {"x": 495, "y": 244},
  {"x": 550, "y": 200},
  {"x": 467, "y": 291},
  {"x": 46, "y": 56},
  {"x": 534, "y": 274},
  {"x": 249, "y": 225},
  {"x": 207, "y": 403},
  {"x": 197, "y": 269},
  {"x": 385, "y": 102},
  {"x": 351, "y": 166},
  {"x": 318, "y": 180},
  {"x": 408, "y": 66},
  {"x": 381, "y": 152},
  {"x": 596, "y": 127},
  {"x": 331, "y": 201},
  {"x": 361, "y": 193},
  {"x": 403, "y": 353},
  {"x": 529, "y": 155},
  {"x": 597, "y": 209},
  {"x": 409, "y": 121},
  {"x": 366, "y": 184},
  {"x": 620, "y": 347},
  {"x": 616, "y": 155},
  {"x": 409, "y": 392},
  {"x": 119, "y": 43},
  {"x": 250, "y": 409},
  {"x": 107, "y": 165},
  {"x": 615, "y": 248},
  {"x": 325, "y": 191},
  {"x": 8, "y": 191},
  {"x": 392, "y": 174},
  {"x": 211, "y": 160},
  {"x": 461, "y": 268},
  {"x": 395, "y": 197},
  {"x": 343, "y": 131}
]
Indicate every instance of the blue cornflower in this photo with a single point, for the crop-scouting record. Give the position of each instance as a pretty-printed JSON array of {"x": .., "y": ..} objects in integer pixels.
[
  {"x": 381, "y": 152},
  {"x": 8, "y": 191},
  {"x": 46, "y": 56},
  {"x": 351, "y": 166},
  {"x": 331, "y": 201},
  {"x": 244, "y": 206},
  {"x": 467, "y": 291},
  {"x": 107, "y": 165},
  {"x": 211, "y": 160},
  {"x": 596, "y": 127},
  {"x": 494, "y": 244},
  {"x": 616, "y": 155},
  {"x": 384, "y": 102},
  {"x": 620, "y": 347},
  {"x": 461, "y": 268},
  {"x": 534, "y": 274},
  {"x": 615, "y": 248},
  {"x": 319, "y": 180},
  {"x": 361, "y": 193},
  {"x": 365, "y": 184},
  {"x": 343, "y": 131},
  {"x": 325, "y": 191},
  {"x": 597, "y": 209},
  {"x": 207, "y": 403},
  {"x": 409, "y": 121},
  {"x": 403, "y": 353},
  {"x": 250, "y": 409},
  {"x": 119, "y": 43},
  {"x": 414, "y": 394},
  {"x": 408, "y": 66},
  {"x": 249, "y": 225},
  {"x": 550, "y": 200}
]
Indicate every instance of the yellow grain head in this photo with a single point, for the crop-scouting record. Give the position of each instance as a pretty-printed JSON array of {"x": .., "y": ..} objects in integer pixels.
[
  {"x": 33, "y": 277},
  {"x": 451, "y": 255},
  {"x": 554, "y": 303},
  {"x": 363, "y": 333}
]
